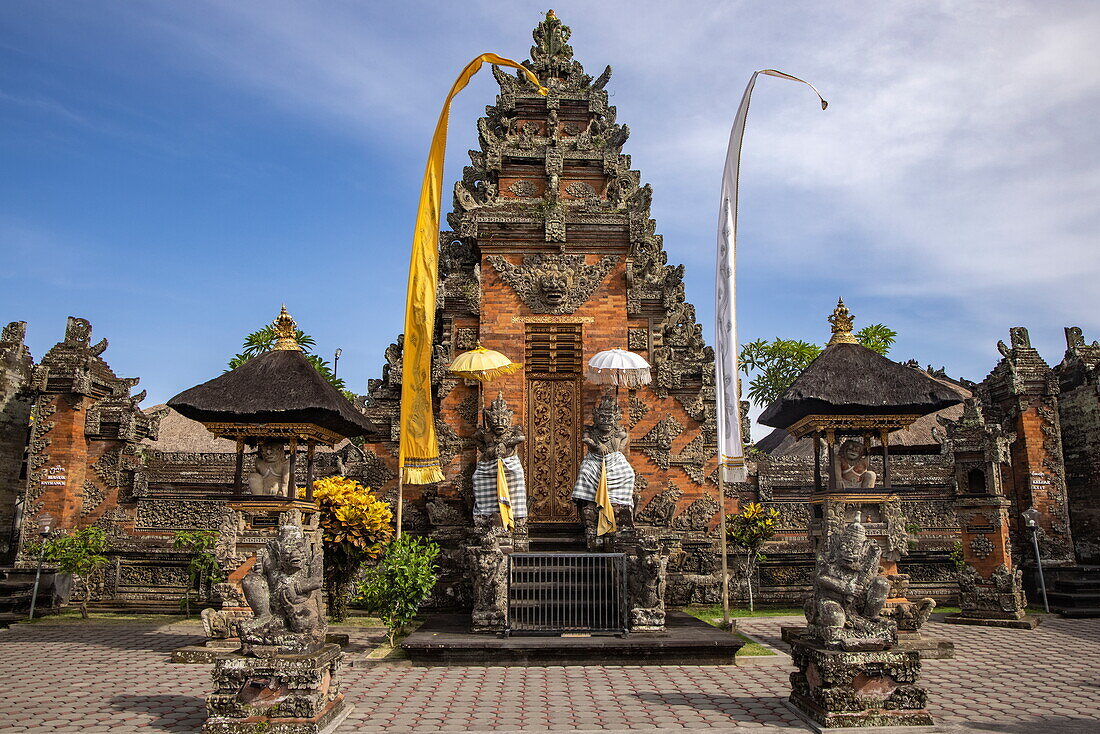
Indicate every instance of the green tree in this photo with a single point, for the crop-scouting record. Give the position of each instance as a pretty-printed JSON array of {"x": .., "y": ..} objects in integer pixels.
[
  {"x": 402, "y": 580},
  {"x": 203, "y": 570},
  {"x": 81, "y": 554},
  {"x": 259, "y": 342},
  {"x": 747, "y": 532},
  {"x": 774, "y": 365}
]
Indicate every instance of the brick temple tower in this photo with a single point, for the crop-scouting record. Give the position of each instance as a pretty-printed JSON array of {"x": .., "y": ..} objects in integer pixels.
[
  {"x": 1021, "y": 394},
  {"x": 83, "y": 456},
  {"x": 553, "y": 257}
]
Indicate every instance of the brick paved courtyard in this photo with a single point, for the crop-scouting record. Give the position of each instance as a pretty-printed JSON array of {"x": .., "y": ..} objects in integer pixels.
[{"x": 115, "y": 676}]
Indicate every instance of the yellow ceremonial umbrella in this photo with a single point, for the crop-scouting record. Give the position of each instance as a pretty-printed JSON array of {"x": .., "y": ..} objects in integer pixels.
[
  {"x": 482, "y": 364},
  {"x": 485, "y": 365}
]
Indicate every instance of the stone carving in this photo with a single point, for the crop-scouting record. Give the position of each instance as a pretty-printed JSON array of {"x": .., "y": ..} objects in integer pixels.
[
  {"x": 284, "y": 590},
  {"x": 581, "y": 190},
  {"x": 698, "y": 514},
  {"x": 647, "y": 574},
  {"x": 1002, "y": 595},
  {"x": 489, "y": 573},
  {"x": 553, "y": 284},
  {"x": 910, "y": 616},
  {"x": 849, "y": 595},
  {"x": 638, "y": 410},
  {"x": 637, "y": 339},
  {"x": 271, "y": 476},
  {"x": 661, "y": 508},
  {"x": 606, "y": 439},
  {"x": 981, "y": 545},
  {"x": 179, "y": 514},
  {"x": 524, "y": 188},
  {"x": 852, "y": 466},
  {"x": 497, "y": 441},
  {"x": 465, "y": 338}
]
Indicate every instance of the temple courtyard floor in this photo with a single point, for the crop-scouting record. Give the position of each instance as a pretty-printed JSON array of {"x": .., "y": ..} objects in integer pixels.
[{"x": 107, "y": 675}]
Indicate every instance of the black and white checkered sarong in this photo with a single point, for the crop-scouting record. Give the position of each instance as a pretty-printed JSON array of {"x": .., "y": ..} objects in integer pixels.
[
  {"x": 485, "y": 487},
  {"x": 620, "y": 479}
]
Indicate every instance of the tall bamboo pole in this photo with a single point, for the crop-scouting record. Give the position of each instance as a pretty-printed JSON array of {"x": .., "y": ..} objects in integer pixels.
[{"x": 724, "y": 548}]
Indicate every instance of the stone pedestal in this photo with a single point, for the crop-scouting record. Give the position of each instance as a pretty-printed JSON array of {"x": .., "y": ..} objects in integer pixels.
[
  {"x": 282, "y": 694},
  {"x": 836, "y": 688},
  {"x": 997, "y": 601}
]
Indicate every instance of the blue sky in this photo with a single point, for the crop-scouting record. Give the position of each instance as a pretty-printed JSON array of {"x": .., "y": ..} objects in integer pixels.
[{"x": 175, "y": 171}]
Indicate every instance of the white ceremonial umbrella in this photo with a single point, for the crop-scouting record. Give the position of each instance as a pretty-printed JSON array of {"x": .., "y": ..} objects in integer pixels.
[{"x": 619, "y": 367}]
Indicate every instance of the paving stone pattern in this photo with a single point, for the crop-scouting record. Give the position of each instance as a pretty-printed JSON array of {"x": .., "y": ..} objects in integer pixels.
[{"x": 115, "y": 677}]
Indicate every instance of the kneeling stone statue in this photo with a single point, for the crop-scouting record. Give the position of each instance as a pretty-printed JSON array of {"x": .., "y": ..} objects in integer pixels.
[
  {"x": 284, "y": 590},
  {"x": 849, "y": 595}
]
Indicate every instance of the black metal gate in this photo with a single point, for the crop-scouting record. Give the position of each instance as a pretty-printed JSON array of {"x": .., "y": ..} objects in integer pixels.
[{"x": 554, "y": 593}]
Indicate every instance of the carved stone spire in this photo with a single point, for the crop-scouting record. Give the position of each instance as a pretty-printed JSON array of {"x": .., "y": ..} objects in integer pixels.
[
  {"x": 551, "y": 52},
  {"x": 286, "y": 332},
  {"x": 841, "y": 319}
]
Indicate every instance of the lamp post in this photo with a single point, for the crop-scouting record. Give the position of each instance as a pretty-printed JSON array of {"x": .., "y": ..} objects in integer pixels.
[
  {"x": 336, "y": 361},
  {"x": 1031, "y": 519},
  {"x": 45, "y": 522}
]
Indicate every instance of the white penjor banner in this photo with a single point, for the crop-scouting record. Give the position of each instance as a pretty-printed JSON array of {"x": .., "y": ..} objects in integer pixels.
[{"x": 731, "y": 452}]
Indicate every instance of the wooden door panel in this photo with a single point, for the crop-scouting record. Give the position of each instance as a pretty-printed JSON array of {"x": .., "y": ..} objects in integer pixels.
[{"x": 553, "y": 446}]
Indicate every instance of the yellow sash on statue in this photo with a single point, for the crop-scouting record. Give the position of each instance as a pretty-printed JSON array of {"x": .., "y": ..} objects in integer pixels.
[
  {"x": 504, "y": 501},
  {"x": 419, "y": 451},
  {"x": 606, "y": 523}
]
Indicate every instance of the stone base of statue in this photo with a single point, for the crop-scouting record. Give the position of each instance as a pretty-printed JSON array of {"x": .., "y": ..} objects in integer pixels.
[
  {"x": 910, "y": 617},
  {"x": 871, "y": 688},
  {"x": 283, "y": 694},
  {"x": 981, "y": 618}
]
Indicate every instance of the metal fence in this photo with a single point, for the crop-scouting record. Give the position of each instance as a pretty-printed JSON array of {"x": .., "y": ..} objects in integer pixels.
[{"x": 552, "y": 593}]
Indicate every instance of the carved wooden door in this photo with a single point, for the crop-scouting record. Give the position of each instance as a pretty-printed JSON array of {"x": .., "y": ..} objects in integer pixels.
[{"x": 553, "y": 410}]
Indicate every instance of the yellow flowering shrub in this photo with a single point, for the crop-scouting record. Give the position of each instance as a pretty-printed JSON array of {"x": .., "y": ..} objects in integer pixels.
[
  {"x": 355, "y": 528},
  {"x": 352, "y": 517}
]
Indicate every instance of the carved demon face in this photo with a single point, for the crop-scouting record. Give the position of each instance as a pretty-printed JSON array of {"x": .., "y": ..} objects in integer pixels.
[{"x": 555, "y": 284}]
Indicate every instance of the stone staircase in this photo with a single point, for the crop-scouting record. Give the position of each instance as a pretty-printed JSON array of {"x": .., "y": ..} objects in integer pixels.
[{"x": 1073, "y": 592}]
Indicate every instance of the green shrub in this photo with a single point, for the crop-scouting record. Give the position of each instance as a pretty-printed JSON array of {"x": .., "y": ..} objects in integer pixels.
[
  {"x": 402, "y": 580},
  {"x": 203, "y": 570},
  {"x": 81, "y": 554}
]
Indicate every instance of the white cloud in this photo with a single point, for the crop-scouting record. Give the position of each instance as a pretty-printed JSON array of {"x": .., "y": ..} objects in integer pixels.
[{"x": 959, "y": 160}]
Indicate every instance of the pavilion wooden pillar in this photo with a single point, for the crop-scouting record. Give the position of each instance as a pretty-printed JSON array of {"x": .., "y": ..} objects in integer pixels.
[
  {"x": 292, "y": 485},
  {"x": 238, "y": 471},
  {"x": 830, "y": 446},
  {"x": 818, "y": 485},
  {"x": 884, "y": 438},
  {"x": 311, "y": 446}
]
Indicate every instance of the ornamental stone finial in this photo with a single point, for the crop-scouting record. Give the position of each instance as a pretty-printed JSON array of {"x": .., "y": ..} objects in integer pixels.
[
  {"x": 286, "y": 332},
  {"x": 842, "y": 319}
]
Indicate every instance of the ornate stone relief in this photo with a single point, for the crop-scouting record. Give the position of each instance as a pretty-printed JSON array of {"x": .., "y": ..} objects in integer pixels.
[
  {"x": 981, "y": 545},
  {"x": 524, "y": 188},
  {"x": 554, "y": 284}
]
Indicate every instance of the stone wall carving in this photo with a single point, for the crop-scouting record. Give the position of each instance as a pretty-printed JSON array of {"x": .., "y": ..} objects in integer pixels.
[{"x": 553, "y": 284}]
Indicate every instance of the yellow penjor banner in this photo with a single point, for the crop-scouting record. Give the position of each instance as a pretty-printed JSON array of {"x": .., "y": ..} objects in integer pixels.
[{"x": 419, "y": 452}]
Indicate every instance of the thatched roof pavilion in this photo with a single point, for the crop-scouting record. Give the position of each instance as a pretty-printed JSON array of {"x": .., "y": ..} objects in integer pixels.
[
  {"x": 850, "y": 390},
  {"x": 277, "y": 396}
]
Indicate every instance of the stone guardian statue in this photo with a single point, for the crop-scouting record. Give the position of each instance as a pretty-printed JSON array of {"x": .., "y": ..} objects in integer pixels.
[
  {"x": 496, "y": 444},
  {"x": 849, "y": 595}
]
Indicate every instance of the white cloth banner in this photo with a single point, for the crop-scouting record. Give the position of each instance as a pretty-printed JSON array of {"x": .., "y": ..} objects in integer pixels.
[{"x": 731, "y": 452}]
